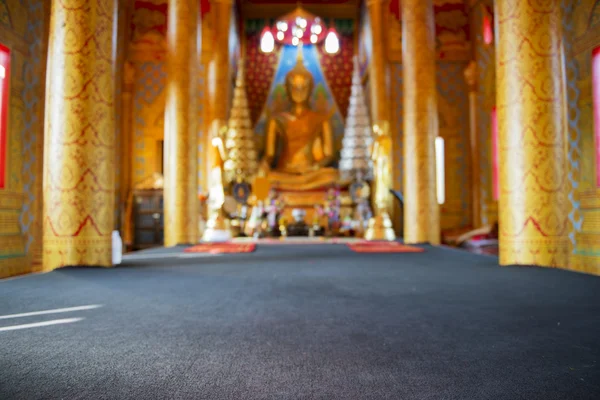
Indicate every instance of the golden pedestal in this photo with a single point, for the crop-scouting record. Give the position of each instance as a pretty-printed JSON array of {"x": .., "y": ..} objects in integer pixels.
[{"x": 380, "y": 228}]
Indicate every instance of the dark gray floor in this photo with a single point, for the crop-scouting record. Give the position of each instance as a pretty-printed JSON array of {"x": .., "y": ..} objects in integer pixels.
[{"x": 306, "y": 322}]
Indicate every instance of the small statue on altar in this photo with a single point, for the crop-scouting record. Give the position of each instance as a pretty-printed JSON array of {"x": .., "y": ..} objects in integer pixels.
[
  {"x": 319, "y": 221},
  {"x": 332, "y": 209},
  {"x": 253, "y": 225},
  {"x": 283, "y": 227},
  {"x": 348, "y": 226},
  {"x": 273, "y": 210},
  {"x": 299, "y": 227},
  {"x": 362, "y": 215}
]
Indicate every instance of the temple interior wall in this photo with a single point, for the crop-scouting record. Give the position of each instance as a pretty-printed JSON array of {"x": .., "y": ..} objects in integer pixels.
[{"x": 24, "y": 27}]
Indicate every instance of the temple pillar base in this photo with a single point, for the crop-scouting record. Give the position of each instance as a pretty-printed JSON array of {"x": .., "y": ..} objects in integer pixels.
[{"x": 380, "y": 228}]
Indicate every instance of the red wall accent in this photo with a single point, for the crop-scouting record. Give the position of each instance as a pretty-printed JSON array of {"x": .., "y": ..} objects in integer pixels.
[
  {"x": 596, "y": 95},
  {"x": 260, "y": 70},
  {"x": 4, "y": 90},
  {"x": 337, "y": 69},
  {"x": 141, "y": 5},
  {"x": 488, "y": 30},
  {"x": 395, "y": 8}
]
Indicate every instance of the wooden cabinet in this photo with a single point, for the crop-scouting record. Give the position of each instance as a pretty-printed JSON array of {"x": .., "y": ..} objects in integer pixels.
[{"x": 148, "y": 219}]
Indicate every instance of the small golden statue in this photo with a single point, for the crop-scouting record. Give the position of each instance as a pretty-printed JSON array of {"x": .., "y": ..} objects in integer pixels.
[
  {"x": 380, "y": 226},
  {"x": 218, "y": 226},
  {"x": 304, "y": 136}
]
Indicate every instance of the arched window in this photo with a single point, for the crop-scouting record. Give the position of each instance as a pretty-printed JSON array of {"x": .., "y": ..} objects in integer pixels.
[{"x": 4, "y": 80}]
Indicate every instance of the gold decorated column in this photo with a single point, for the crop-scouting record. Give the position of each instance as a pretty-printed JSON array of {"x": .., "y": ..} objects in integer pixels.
[
  {"x": 421, "y": 211},
  {"x": 532, "y": 132},
  {"x": 127, "y": 152},
  {"x": 79, "y": 147},
  {"x": 219, "y": 78},
  {"x": 380, "y": 108},
  {"x": 127, "y": 129},
  {"x": 220, "y": 86},
  {"x": 377, "y": 71},
  {"x": 181, "y": 141},
  {"x": 471, "y": 79}
]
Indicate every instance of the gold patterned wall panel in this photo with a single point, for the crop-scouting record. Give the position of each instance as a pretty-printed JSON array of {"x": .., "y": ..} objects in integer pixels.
[
  {"x": 15, "y": 151},
  {"x": 79, "y": 179},
  {"x": 582, "y": 35},
  {"x": 13, "y": 259},
  {"x": 532, "y": 131},
  {"x": 33, "y": 127},
  {"x": 19, "y": 212},
  {"x": 453, "y": 112},
  {"x": 148, "y": 117}
]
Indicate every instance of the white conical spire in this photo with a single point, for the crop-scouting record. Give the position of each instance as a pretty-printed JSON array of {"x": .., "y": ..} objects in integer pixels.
[
  {"x": 239, "y": 141},
  {"x": 358, "y": 135}
]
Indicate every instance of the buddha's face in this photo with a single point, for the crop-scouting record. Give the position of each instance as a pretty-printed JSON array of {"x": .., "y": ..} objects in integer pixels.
[{"x": 299, "y": 88}]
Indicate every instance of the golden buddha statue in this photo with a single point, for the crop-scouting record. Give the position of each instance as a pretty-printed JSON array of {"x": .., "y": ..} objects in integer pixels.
[{"x": 303, "y": 136}]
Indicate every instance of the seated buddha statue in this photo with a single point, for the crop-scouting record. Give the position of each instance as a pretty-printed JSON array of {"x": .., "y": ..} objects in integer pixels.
[{"x": 299, "y": 141}]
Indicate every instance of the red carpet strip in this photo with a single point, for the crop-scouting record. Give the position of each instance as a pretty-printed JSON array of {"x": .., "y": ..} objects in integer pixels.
[
  {"x": 222, "y": 248},
  {"x": 383, "y": 247}
]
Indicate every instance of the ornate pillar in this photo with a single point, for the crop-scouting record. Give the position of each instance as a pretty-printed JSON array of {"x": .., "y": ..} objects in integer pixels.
[
  {"x": 126, "y": 129},
  {"x": 79, "y": 148},
  {"x": 127, "y": 151},
  {"x": 377, "y": 71},
  {"x": 471, "y": 79},
  {"x": 219, "y": 68},
  {"x": 421, "y": 211},
  {"x": 532, "y": 128},
  {"x": 219, "y": 78},
  {"x": 380, "y": 108},
  {"x": 180, "y": 154}
]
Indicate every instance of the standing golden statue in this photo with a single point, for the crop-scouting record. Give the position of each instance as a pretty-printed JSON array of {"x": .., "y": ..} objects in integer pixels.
[
  {"x": 217, "y": 227},
  {"x": 303, "y": 137},
  {"x": 380, "y": 226}
]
